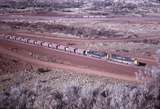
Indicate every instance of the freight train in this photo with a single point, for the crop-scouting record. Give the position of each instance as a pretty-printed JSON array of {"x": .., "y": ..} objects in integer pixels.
[{"x": 90, "y": 53}]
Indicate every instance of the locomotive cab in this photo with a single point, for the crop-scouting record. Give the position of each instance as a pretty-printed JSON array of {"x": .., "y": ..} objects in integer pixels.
[
  {"x": 136, "y": 62},
  {"x": 108, "y": 56}
]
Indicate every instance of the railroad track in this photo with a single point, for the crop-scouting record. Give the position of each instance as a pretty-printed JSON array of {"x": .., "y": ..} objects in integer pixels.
[{"x": 83, "y": 52}]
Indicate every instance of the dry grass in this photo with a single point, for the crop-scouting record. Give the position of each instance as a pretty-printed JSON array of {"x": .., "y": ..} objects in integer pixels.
[
  {"x": 60, "y": 89},
  {"x": 121, "y": 46},
  {"x": 77, "y": 96}
]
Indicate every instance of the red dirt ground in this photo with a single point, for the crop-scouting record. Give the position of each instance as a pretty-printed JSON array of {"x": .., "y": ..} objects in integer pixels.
[
  {"x": 76, "y": 42},
  {"x": 78, "y": 62}
]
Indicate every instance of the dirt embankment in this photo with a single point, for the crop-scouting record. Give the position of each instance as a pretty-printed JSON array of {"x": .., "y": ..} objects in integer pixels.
[{"x": 10, "y": 65}]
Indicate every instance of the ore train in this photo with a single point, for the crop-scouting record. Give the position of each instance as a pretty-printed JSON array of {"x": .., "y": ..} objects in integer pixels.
[{"x": 90, "y": 53}]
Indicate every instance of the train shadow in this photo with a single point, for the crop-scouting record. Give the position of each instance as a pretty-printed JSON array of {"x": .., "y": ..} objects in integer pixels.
[{"x": 142, "y": 64}]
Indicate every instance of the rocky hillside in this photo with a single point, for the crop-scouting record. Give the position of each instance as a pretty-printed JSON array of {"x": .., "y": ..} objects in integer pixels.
[{"x": 100, "y": 7}]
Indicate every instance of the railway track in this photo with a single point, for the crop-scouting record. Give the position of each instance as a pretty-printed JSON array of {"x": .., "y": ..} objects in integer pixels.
[
  {"x": 88, "y": 53},
  {"x": 65, "y": 42},
  {"x": 79, "y": 63}
]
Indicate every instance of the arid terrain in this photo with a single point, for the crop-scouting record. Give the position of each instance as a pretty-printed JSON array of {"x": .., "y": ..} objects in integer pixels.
[{"x": 34, "y": 76}]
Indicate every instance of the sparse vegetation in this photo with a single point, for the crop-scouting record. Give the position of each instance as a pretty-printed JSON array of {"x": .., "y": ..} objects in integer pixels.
[
  {"x": 25, "y": 86},
  {"x": 35, "y": 4},
  {"x": 75, "y": 95},
  {"x": 158, "y": 55},
  {"x": 107, "y": 7},
  {"x": 82, "y": 32},
  {"x": 112, "y": 96}
]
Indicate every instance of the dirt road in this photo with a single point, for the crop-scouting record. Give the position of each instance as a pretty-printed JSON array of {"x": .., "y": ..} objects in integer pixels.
[{"x": 69, "y": 18}]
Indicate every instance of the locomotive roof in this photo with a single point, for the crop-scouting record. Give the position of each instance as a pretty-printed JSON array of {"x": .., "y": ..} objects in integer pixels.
[
  {"x": 98, "y": 53},
  {"x": 121, "y": 57}
]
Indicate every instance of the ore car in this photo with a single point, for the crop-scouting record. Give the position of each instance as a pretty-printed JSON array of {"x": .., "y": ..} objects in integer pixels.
[
  {"x": 62, "y": 47},
  {"x": 31, "y": 41},
  {"x": 53, "y": 45},
  {"x": 96, "y": 54},
  {"x": 85, "y": 16},
  {"x": 10, "y": 37},
  {"x": 13, "y": 37},
  {"x": 25, "y": 40},
  {"x": 80, "y": 51},
  {"x": 22, "y": 39},
  {"x": 70, "y": 49},
  {"x": 38, "y": 43},
  {"x": 7, "y": 36},
  {"x": 45, "y": 44},
  {"x": 18, "y": 38}
]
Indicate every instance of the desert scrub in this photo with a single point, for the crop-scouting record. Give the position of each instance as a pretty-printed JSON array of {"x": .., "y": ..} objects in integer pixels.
[{"x": 75, "y": 96}]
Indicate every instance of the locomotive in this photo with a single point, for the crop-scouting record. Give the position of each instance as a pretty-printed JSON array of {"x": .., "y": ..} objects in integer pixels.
[{"x": 122, "y": 59}]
